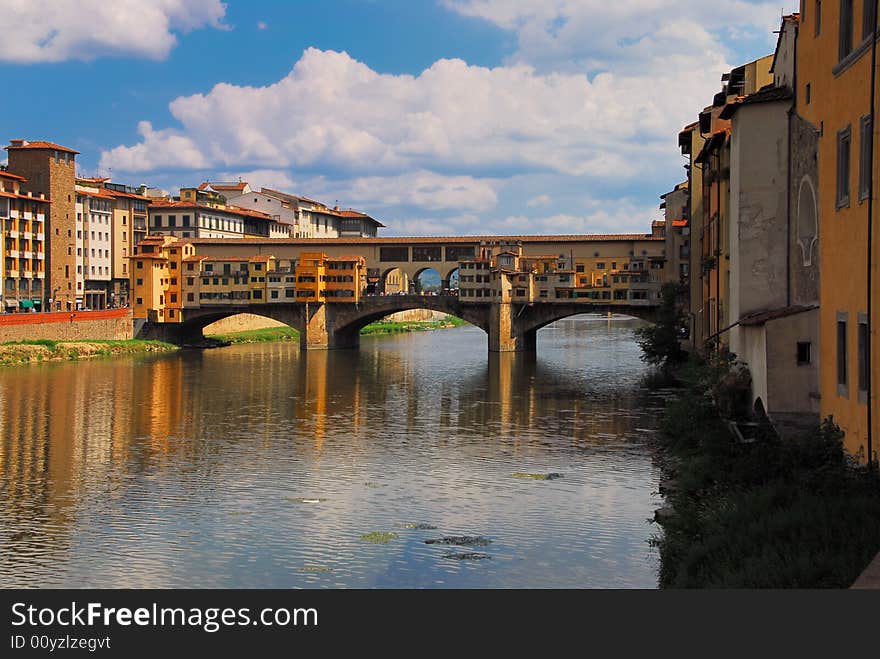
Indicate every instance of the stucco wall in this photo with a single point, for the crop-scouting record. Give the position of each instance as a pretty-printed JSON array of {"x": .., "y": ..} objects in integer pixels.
[
  {"x": 792, "y": 388},
  {"x": 79, "y": 326}
]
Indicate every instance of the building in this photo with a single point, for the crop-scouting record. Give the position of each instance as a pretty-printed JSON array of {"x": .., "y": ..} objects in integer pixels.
[
  {"x": 94, "y": 242},
  {"x": 206, "y": 214},
  {"x": 169, "y": 277},
  {"x": 129, "y": 228},
  {"x": 304, "y": 217},
  {"x": 675, "y": 205},
  {"x": 835, "y": 213},
  {"x": 773, "y": 291},
  {"x": 49, "y": 169},
  {"x": 23, "y": 245}
]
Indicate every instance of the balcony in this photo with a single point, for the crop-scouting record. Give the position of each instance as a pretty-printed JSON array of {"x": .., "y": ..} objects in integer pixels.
[
  {"x": 40, "y": 255},
  {"x": 13, "y": 254},
  {"x": 27, "y": 254},
  {"x": 12, "y": 273},
  {"x": 27, "y": 235},
  {"x": 12, "y": 233},
  {"x": 41, "y": 275},
  {"x": 13, "y": 214},
  {"x": 27, "y": 215},
  {"x": 41, "y": 236}
]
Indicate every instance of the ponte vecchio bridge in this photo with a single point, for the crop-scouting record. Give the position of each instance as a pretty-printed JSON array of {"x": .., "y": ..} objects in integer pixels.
[{"x": 509, "y": 286}]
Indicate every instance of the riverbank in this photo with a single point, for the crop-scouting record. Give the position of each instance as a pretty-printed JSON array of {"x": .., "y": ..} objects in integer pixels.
[
  {"x": 271, "y": 334},
  {"x": 43, "y": 350},
  {"x": 768, "y": 513}
]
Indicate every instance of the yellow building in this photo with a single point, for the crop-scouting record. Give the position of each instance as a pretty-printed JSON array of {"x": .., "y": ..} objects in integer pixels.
[
  {"x": 836, "y": 54},
  {"x": 344, "y": 278},
  {"x": 23, "y": 245}
]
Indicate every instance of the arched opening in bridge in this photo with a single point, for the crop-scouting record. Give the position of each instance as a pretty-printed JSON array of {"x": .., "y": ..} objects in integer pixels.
[
  {"x": 244, "y": 323},
  {"x": 394, "y": 282},
  {"x": 428, "y": 282},
  {"x": 450, "y": 284}
]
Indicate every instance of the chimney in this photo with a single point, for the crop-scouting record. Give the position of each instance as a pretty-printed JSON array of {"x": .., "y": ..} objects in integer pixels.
[{"x": 17, "y": 142}]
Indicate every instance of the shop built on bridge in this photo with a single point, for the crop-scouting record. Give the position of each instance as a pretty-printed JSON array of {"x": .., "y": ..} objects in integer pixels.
[{"x": 328, "y": 290}]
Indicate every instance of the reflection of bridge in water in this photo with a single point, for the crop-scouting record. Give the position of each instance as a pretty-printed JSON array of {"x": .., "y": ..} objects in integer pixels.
[{"x": 510, "y": 327}]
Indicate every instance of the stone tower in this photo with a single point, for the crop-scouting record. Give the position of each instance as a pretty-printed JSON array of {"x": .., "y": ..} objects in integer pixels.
[{"x": 50, "y": 169}]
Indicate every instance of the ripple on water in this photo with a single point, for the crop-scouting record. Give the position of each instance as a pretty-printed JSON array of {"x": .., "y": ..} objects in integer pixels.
[{"x": 258, "y": 466}]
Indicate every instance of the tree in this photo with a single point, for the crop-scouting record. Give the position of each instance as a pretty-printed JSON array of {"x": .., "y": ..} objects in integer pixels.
[{"x": 660, "y": 342}]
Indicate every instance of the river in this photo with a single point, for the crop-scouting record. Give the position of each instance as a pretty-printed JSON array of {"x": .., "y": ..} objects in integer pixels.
[{"x": 259, "y": 466}]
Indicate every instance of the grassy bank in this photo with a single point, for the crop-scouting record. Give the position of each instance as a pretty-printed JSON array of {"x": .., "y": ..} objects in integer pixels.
[
  {"x": 381, "y": 327},
  {"x": 42, "y": 350},
  {"x": 769, "y": 514}
]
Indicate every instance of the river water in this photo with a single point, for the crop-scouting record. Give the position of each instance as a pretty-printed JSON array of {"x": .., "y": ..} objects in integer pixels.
[{"x": 260, "y": 466}]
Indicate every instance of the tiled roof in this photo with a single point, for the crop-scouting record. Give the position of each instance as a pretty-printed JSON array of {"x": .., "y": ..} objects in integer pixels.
[
  {"x": 433, "y": 240},
  {"x": 16, "y": 177},
  {"x": 12, "y": 195},
  {"x": 41, "y": 145},
  {"x": 765, "y": 316}
]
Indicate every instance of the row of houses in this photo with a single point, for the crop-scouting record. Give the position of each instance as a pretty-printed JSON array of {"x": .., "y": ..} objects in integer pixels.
[
  {"x": 780, "y": 257},
  {"x": 66, "y": 240}
]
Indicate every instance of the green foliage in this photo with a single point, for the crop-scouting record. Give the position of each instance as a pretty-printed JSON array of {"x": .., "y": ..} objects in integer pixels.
[
  {"x": 798, "y": 512},
  {"x": 660, "y": 342},
  {"x": 379, "y": 537}
]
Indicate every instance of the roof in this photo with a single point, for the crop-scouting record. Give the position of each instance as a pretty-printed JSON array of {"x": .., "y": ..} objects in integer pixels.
[
  {"x": 15, "y": 177},
  {"x": 234, "y": 210},
  {"x": 767, "y": 94},
  {"x": 12, "y": 195},
  {"x": 39, "y": 145},
  {"x": 284, "y": 195},
  {"x": 235, "y": 187},
  {"x": 100, "y": 193},
  {"x": 712, "y": 143},
  {"x": 431, "y": 240},
  {"x": 762, "y": 317},
  {"x": 349, "y": 257},
  {"x": 679, "y": 223},
  {"x": 127, "y": 195}
]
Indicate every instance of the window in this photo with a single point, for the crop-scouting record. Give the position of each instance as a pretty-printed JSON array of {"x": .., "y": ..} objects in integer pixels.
[
  {"x": 174, "y": 297},
  {"x": 600, "y": 265},
  {"x": 844, "y": 143},
  {"x": 808, "y": 95},
  {"x": 190, "y": 297},
  {"x": 817, "y": 27},
  {"x": 866, "y": 144},
  {"x": 258, "y": 295},
  {"x": 139, "y": 300},
  {"x": 845, "y": 43},
  {"x": 842, "y": 375},
  {"x": 868, "y": 18},
  {"x": 862, "y": 338},
  {"x": 274, "y": 295},
  {"x": 392, "y": 254},
  {"x": 804, "y": 349},
  {"x": 140, "y": 265},
  {"x": 139, "y": 282}
]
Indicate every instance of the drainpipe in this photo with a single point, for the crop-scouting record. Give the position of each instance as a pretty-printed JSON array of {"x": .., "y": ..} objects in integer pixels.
[{"x": 871, "y": 193}]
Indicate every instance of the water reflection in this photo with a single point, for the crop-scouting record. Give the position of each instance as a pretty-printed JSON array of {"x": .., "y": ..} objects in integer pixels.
[{"x": 190, "y": 470}]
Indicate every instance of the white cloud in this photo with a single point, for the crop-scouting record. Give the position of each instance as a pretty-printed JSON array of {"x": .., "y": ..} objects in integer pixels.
[
  {"x": 590, "y": 101},
  {"x": 422, "y": 189},
  {"x": 539, "y": 201},
  {"x": 59, "y": 30},
  {"x": 332, "y": 112},
  {"x": 596, "y": 35},
  {"x": 262, "y": 25}
]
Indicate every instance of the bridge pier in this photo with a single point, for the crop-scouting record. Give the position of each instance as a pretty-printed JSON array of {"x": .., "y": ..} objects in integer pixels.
[
  {"x": 507, "y": 332},
  {"x": 319, "y": 330}
]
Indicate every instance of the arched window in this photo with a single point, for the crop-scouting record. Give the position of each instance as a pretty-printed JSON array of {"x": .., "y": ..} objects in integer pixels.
[{"x": 807, "y": 220}]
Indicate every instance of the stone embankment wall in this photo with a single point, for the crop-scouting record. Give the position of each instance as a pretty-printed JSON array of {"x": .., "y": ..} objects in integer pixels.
[
  {"x": 114, "y": 324},
  {"x": 246, "y": 322}
]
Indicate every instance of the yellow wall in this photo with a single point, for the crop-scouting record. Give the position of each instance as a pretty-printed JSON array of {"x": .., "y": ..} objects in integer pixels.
[{"x": 838, "y": 99}]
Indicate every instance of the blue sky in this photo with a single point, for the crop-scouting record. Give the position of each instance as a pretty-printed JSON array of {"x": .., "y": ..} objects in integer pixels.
[{"x": 435, "y": 116}]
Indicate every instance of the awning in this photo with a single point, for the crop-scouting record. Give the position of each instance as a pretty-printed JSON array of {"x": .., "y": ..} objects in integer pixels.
[
  {"x": 11, "y": 303},
  {"x": 26, "y": 304}
]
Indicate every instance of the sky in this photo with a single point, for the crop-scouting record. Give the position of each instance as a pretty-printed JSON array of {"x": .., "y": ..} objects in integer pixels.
[{"x": 437, "y": 117}]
